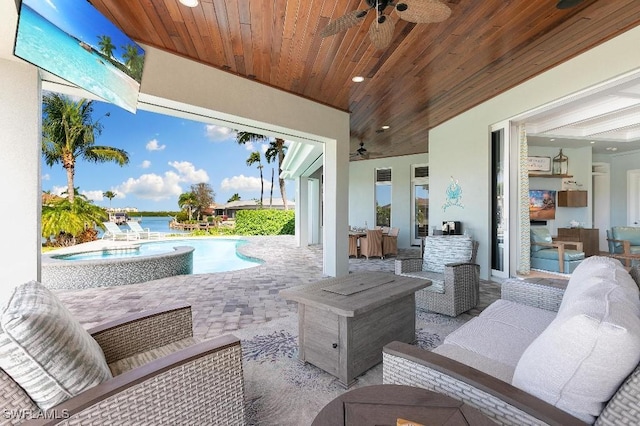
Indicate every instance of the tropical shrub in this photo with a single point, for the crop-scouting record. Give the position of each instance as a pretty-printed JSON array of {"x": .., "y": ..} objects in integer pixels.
[
  {"x": 67, "y": 222},
  {"x": 265, "y": 222}
]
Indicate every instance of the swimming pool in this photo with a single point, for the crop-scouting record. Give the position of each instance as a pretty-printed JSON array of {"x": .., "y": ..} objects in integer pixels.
[{"x": 209, "y": 255}]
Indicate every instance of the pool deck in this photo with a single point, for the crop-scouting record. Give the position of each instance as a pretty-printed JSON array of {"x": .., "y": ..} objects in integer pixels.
[{"x": 225, "y": 301}]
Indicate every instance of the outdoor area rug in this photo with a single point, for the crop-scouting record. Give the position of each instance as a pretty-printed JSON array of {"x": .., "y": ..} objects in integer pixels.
[{"x": 280, "y": 390}]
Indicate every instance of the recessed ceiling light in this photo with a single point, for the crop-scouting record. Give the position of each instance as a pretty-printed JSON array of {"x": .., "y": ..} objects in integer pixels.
[
  {"x": 358, "y": 79},
  {"x": 385, "y": 127},
  {"x": 552, "y": 140},
  {"x": 189, "y": 3},
  {"x": 592, "y": 142},
  {"x": 614, "y": 149}
]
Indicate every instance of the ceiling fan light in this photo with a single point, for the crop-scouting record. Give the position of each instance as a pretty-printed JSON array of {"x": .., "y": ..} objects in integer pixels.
[
  {"x": 381, "y": 33},
  {"x": 189, "y": 3},
  {"x": 423, "y": 11}
]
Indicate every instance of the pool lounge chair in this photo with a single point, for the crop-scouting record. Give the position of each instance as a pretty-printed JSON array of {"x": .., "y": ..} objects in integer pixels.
[
  {"x": 143, "y": 232},
  {"x": 114, "y": 233}
]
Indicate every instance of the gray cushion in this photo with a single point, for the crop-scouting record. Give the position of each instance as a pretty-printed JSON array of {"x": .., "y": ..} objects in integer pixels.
[
  {"x": 502, "y": 332},
  {"x": 539, "y": 235},
  {"x": 489, "y": 366},
  {"x": 45, "y": 350},
  {"x": 440, "y": 250},
  {"x": 552, "y": 254},
  {"x": 146, "y": 357},
  {"x": 579, "y": 361},
  {"x": 437, "y": 279}
]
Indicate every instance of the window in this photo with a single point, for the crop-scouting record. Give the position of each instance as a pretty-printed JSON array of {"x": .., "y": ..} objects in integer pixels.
[
  {"x": 420, "y": 201},
  {"x": 383, "y": 197}
]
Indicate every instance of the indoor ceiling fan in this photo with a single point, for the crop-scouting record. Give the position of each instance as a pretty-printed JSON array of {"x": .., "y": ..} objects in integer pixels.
[{"x": 381, "y": 29}]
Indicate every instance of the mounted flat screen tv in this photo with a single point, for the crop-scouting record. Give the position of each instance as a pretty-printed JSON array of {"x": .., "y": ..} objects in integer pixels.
[
  {"x": 72, "y": 40},
  {"x": 542, "y": 204}
]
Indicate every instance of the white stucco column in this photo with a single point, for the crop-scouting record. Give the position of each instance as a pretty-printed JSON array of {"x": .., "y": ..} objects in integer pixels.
[
  {"x": 335, "y": 231},
  {"x": 20, "y": 144},
  {"x": 302, "y": 212}
]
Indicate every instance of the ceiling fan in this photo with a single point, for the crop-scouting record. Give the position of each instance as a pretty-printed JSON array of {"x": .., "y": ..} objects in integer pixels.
[
  {"x": 566, "y": 4},
  {"x": 361, "y": 153},
  {"x": 381, "y": 29}
]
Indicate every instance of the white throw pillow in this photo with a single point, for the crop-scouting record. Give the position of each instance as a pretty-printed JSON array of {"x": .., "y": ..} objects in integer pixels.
[
  {"x": 579, "y": 361},
  {"x": 45, "y": 350}
]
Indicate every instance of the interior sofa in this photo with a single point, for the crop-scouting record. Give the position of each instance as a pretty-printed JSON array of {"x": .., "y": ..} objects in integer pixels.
[
  {"x": 542, "y": 354},
  {"x": 449, "y": 262},
  {"x": 146, "y": 369}
]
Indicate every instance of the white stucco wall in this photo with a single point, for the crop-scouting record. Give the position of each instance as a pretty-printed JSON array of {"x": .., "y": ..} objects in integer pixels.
[
  {"x": 460, "y": 147},
  {"x": 620, "y": 164},
  {"x": 362, "y": 192},
  {"x": 20, "y": 117}
]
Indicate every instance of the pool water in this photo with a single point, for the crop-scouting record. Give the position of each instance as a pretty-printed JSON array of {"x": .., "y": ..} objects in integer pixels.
[{"x": 210, "y": 254}]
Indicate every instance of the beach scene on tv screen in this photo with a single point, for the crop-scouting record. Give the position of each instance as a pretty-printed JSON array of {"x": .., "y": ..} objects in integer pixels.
[{"x": 74, "y": 41}]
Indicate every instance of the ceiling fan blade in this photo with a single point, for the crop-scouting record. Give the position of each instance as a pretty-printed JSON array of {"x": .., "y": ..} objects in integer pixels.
[
  {"x": 343, "y": 23},
  {"x": 423, "y": 11},
  {"x": 381, "y": 33},
  {"x": 566, "y": 4}
]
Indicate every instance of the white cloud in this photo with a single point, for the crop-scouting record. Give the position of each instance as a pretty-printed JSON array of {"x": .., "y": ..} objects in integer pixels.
[
  {"x": 243, "y": 183},
  {"x": 46, "y": 176},
  {"x": 51, "y": 4},
  {"x": 154, "y": 145},
  {"x": 249, "y": 146},
  {"x": 188, "y": 172},
  {"x": 95, "y": 195},
  {"x": 218, "y": 133},
  {"x": 58, "y": 190},
  {"x": 152, "y": 186},
  {"x": 264, "y": 147},
  {"x": 145, "y": 164},
  {"x": 161, "y": 187}
]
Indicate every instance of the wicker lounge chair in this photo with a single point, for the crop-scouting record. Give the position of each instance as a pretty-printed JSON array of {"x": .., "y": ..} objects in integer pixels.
[
  {"x": 448, "y": 261},
  {"x": 114, "y": 233},
  {"x": 161, "y": 376},
  {"x": 143, "y": 232}
]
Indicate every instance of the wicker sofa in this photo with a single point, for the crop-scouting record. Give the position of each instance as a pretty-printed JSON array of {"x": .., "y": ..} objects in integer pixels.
[
  {"x": 449, "y": 262},
  {"x": 161, "y": 375},
  {"x": 542, "y": 354}
]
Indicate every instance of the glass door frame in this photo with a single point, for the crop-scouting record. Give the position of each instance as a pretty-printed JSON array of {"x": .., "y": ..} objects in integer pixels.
[
  {"x": 505, "y": 128},
  {"x": 417, "y": 239}
]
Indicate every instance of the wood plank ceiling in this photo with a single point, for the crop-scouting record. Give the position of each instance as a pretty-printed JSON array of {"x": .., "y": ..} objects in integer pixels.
[{"x": 429, "y": 74}]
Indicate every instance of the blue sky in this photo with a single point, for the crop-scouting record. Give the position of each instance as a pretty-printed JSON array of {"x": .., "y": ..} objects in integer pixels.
[{"x": 166, "y": 156}]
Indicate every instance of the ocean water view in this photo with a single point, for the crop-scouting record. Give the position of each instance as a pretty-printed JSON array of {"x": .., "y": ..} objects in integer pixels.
[{"x": 47, "y": 46}]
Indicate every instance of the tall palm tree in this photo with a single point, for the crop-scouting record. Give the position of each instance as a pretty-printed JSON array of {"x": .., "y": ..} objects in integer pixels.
[
  {"x": 106, "y": 46},
  {"x": 277, "y": 149},
  {"x": 234, "y": 197},
  {"x": 255, "y": 157},
  {"x": 69, "y": 133},
  {"x": 110, "y": 195}
]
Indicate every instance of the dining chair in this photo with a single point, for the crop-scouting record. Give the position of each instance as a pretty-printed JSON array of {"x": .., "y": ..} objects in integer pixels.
[
  {"x": 371, "y": 244},
  {"x": 353, "y": 245},
  {"x": 390, "y": 242}
]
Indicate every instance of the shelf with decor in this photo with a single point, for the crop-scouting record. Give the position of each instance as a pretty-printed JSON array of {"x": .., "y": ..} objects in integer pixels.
[{"x": 543, "y": 175}]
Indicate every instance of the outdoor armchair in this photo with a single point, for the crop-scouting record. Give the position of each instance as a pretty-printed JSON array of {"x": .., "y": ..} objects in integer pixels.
[
  {"x": 114, "y": 233},
  {"x": 449, "y": 262},
  {"x": 162, "y": 375}
]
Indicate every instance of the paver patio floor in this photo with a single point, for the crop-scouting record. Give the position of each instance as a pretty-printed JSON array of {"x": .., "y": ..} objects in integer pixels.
[{"x": 227, "y": 301}]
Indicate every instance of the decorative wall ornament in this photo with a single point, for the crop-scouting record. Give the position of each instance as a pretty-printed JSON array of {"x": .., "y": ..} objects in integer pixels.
[{"x": 454, "y": 195}]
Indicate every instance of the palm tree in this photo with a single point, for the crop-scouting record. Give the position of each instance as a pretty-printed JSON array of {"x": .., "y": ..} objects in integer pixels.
[
  {"x": 134, "y": 61},
  {"x": 106, "y": 46},
  {"x": 69, "y": 133},
  {"x": 234, "y": 197},
  {"x": 62, "y": 216},
  {"x": 255, "y": 157},
  {"x": 188, "y": 201},
  {"x": 277, "y": 149},
  {"x": 110, "y": 195}
]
